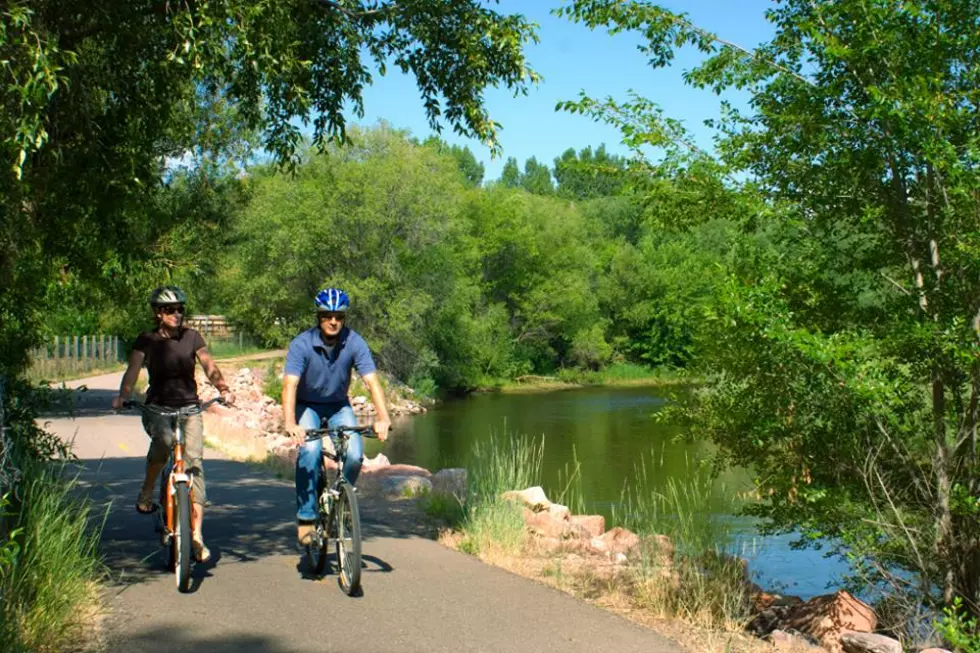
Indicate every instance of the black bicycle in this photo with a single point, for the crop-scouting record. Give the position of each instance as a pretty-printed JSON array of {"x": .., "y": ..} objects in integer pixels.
[{"x": 337, "y": 514}]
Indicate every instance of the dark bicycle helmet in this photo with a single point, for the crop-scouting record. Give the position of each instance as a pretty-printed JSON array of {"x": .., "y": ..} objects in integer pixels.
[
  {"x": 167, "y": 295},
  {"x": 332, "y": 299}
]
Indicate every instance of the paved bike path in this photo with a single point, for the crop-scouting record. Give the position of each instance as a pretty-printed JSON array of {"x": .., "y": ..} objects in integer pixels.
[{"x": 418, "y": 595}]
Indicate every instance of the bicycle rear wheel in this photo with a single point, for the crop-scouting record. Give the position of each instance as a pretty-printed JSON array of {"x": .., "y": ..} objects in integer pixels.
[
  {"x": 180, "y": 543},
  {"x": 348, "y": 540}
]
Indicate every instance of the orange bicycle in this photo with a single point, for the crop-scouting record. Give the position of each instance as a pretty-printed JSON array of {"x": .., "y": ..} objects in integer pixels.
[{"x": 176, "y": 493}]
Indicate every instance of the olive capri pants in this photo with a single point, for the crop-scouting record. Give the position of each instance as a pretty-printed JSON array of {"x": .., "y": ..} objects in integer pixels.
[{"x": 160, "y": 430}]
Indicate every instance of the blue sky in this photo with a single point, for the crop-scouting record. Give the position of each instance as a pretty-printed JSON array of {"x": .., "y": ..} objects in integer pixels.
[{"x": 572, "y": 58}]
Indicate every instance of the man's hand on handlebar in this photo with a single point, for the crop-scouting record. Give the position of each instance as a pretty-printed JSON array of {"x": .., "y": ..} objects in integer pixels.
[
  {"x": 297, "y": 433},
  {"x": 381, "y": 427}
]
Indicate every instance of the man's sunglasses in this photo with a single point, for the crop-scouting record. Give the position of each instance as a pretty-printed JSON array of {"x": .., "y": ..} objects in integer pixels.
[
  {"x": 337, "y": 316},
  {"x": 170, "y": 310}
]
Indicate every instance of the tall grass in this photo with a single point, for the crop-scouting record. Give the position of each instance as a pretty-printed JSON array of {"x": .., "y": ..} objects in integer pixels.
[
  {"x": 490, "y": 523},
  {"x": 49, "y": 565},
  {"x": 691, "y": 577}
]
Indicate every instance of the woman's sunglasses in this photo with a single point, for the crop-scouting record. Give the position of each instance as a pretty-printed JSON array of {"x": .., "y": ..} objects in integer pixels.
[{"x": 170, "y": 310}]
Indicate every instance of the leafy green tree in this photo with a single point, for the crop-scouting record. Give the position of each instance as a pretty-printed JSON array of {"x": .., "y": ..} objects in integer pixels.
[
  {"x": 472, "y": 169},
  {"x": 537, "y": 178},
  {"x": 849, "y": 376},
  {"x": 90, "y": 120},
  {"x": 586, "y": 174},
  {"x": 510, "y": 176}
]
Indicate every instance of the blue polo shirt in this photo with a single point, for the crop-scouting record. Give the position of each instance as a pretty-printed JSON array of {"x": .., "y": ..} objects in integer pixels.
[{"x": 324, "y": 373}]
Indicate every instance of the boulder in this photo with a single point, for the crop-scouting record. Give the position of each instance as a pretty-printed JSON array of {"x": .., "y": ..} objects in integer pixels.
[
  {"x": 616, "y": 540},
  {"x": 405, "y": 486},
  {"x": 559, "y": 511},
  {"x": 533, "y": 498},
  {"x": 450, "y": 481},
  {"x": 824, "y": 618},
  {"x": 376, "y": 463},
  {"x": 400, "y": 470},
  {"x": 591, "y": 525},
  {"x": 935, "y": 650},
  {"x": 856, "y": 642},
  {"x": 546, "y": 525},
  {"x": 791, "y": 642}
]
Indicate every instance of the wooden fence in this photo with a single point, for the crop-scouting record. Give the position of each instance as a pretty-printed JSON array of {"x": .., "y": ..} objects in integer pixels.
[{"x": 68, "y": 355}]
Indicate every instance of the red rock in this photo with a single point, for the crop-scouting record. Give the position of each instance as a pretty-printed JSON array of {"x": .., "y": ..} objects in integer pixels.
[
  {"x": 400, "y": 470},
  {"x": 853, "y": 642},
  {"x": 546, "y": 525},
  {"x": 593, "y": 525},
  {"x": 824, "y": 618},
  {"x": 533, "y": 497},
  {"x": 616, "y": 540},
  {"x": 783, "y": 641}
]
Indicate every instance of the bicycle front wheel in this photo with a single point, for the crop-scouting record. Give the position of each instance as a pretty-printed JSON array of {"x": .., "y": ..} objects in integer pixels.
[
  {"x": 181, "y": 541},
  {"x": 348, "y": 541},
  {"x": 316, "y": 547}
]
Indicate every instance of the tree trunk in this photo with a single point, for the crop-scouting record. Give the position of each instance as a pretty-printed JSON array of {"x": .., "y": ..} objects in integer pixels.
[{"x": 944, "y": 517}]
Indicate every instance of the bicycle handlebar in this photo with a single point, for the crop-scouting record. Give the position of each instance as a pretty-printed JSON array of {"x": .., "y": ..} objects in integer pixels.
[
  {"x": 131, "y": 403},
  {"x": 366, "y": 430}
]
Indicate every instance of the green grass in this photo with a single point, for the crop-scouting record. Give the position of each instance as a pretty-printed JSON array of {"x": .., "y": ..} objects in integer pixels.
[
  {"x": 232, "y": 348},
  {"x": 48, "y": 566},
  {"x": 491, "y": 523},
  {"x": 618, "y": 374},
  {"x": 446, "y": 509},
  {"x": 700, "y": 582}
]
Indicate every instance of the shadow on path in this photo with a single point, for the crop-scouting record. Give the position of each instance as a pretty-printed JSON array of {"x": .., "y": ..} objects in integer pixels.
[{"x": 251, "y": 517}]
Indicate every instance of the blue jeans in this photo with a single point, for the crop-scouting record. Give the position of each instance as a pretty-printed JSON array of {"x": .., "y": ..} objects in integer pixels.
[{"x": 308, "y": 465}]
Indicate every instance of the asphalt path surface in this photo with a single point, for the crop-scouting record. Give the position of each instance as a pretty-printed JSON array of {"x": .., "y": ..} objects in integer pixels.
[{"x": 256, "y": 594}]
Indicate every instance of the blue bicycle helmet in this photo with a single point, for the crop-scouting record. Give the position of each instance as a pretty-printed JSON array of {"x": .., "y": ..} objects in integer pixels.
[{"x": 332, "y": 299}]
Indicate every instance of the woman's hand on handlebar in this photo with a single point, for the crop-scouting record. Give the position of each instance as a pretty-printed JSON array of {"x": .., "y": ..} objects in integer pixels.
[
  {"x": 229, "y": 397},
  {"x": 117, "y": 402}
]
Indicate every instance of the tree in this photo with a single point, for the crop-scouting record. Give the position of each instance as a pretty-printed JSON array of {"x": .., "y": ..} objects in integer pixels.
[
  {"x": 90, "y": 120},
  {"x": 510, "y": 176},
  {"x": 472, "y": 169},
  {"x": 850, "y": 378},
  {"x": 587, "y": 174},
  {"x": 537, "y": 178}
]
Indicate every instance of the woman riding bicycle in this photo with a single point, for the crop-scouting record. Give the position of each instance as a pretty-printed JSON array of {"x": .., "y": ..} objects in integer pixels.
[{"x": 169, "y": 352}]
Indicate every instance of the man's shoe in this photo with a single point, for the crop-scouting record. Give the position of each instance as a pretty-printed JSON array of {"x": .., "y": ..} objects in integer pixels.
[{"x": 304, "y": 531}]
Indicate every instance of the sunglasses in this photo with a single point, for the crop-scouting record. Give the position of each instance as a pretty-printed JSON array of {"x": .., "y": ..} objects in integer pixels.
[
  {"x": 170, "y": 310},
  {"x": 332, "y": 316}
]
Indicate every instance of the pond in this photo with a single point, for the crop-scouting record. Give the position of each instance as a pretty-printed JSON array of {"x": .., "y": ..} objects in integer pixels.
[{"x": 609, "y": 431}]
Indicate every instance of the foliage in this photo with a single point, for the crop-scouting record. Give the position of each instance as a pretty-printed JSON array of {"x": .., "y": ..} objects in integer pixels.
[
  {"x": 492, "y": 524},
  {"x": 587, "y": 175},
  {"x": 92, "y": 123},
  {"x": 845, "y": 343},
  {"x": 959, "y": 631},
  {"x": 48, "y": 574}
]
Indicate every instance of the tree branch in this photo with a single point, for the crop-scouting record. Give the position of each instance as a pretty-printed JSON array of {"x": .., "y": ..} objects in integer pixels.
[{"x": 355, "y": 15}]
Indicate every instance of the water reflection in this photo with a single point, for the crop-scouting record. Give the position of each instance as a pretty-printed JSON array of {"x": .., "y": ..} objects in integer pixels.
[{"x": 609, "y": 431}]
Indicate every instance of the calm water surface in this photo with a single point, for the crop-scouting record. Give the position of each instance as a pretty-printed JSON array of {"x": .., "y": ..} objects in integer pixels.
[{"x": 609, "y": 431}]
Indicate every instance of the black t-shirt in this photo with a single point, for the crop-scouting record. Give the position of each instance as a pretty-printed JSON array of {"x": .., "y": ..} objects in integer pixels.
[{"x": 170, "y": 362}]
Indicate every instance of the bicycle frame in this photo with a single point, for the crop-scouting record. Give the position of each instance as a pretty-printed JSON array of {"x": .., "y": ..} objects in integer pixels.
[{"x": 174, "y": 472}]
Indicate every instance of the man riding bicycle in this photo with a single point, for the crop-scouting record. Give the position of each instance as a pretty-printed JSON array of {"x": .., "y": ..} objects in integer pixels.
[
  {"x": 169, "y": 352},
  {"x": 315, "y": 385}
]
